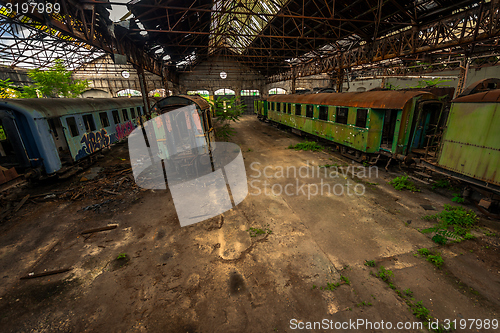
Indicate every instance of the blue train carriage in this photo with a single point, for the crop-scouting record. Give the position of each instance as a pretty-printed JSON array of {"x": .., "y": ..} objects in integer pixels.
[
  {"x": 47, "y": 134},
  {"x": 365, "y": 125}
]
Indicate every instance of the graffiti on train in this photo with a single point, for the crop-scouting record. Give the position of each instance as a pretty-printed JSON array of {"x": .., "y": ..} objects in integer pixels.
[
  {"x": 92, "y": 142},
  {"x": 123, "y": 130}
]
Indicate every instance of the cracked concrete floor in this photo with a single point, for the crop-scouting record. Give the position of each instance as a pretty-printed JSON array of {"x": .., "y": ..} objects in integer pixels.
[{"x": 214, "y": 277}]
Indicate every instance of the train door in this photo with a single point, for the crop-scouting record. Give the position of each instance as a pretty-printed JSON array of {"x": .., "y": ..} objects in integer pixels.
[
  {"x": 18, "y": 148},
  {"x": 390, "y": 128},
  {"x": 425, "y": 123},
  {"x": 57, "y": 132}
]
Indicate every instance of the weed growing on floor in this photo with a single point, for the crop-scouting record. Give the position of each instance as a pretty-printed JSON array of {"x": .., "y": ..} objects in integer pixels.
[
  {"x": 434, "y": 259},
  {"x": 250, "y": 149},
  {"x": 121, "y": 256},
  {"x": 489, "y": 234},
  {"x": 364, "y": 304},
  {"x": 458, "y": 218},
  {"x": 345, "y": 279},
  {"x": 384, "y": 274},
  {"x": 408, "y": 292},
  {"x": 402, "y": 182},
  {"x": 308, "y": 145},
  {"x": 457, "y": 198},
  {"x": 441, "y": 183},
  {"x": 370, "y": 263},
  {"x": 254, "y": 232},
  {"x": 420, "y": 311}
]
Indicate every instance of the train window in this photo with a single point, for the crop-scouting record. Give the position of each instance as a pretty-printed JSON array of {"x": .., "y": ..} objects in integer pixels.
[
  {"x": 323, "y": 112},
  {"x": 309, "y": 111},
  {"x": 116, "y": 117},
  {"x": 361, "y": 117},
  {"x": 278, "y": 108},
  {"x": 73, "y": 129},
  {"x": 132, "y": 113},
  {"x": 125, "y": 114},
  {"x": 88, "y": 121},
  {"x": 341, "y": 117},
  {"x": 289, "y": 108},
  {"x": 297, "y": 109},
  {"x": 103, "y": 116}
]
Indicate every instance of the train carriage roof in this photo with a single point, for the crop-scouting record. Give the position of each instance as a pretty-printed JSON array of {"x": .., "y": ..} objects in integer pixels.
[
  {"x": 59, "y": 107},
  {"x": 390, "y": 99},
  {"x": 178, "y": 100},
  {"x": 491, "y": 96}
]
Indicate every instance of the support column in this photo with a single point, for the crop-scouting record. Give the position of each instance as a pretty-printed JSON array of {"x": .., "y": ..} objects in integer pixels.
[
  {"x": 293, "y": 84},
  {"x": 462, "y": 77},
  {"x": 144, "y": 89},
  {"x": 340, "y": 79},
  {"x": 165, "y": 80}
]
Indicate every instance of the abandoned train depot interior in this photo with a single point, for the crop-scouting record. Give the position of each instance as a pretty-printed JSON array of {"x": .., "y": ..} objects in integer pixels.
[{"x": 236, "y": 166}]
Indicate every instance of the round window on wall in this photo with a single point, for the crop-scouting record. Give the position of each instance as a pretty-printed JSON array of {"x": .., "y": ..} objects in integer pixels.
[
  {"x": 223, "y": 75},
  {"x": 126, "y": 74}
]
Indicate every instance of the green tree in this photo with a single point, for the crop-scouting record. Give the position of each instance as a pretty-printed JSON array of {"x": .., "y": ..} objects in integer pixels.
[
  {"x": 8, "y": 90},
  {"x": 54, "y": 82},
  {"x": 227, "y": 111}
]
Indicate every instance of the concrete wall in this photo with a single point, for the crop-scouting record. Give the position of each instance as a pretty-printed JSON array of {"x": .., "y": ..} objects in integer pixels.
[
  {"x": 474, "y": 74},
  {"x": 308, "y": 82},
  {"x": 104, "y": 75},
  {"x": 206, "y": 76},
  {"x": 18, "y": 76}
]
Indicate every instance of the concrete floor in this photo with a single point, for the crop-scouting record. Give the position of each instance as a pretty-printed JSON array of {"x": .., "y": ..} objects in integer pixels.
[{"x": 214, "y": 277}]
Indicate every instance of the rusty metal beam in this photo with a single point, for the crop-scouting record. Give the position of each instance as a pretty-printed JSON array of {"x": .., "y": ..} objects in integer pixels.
[{"x": 457, "y": 30}]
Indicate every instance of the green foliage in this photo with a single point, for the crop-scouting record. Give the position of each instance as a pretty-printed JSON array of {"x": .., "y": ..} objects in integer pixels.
[
  {"x": 436, "y": 260},
  {"x": 402, "y": 182},
  {"x": 121, "y": 256},
  {"x": 308, "y": 145},
  {"x": 345, "y": 279},
  {"x": 408, "y": 292},
  {"x": 8, "y": 90},
  {"x": 370, "y": 263},
  {"x": 384, "y": 274},
  {"x": 458, "y": 198},
  {"x": 460, "y": 219},
  {"x": 423, "y": 252},
  {"x": 439, "y": 239},
  {"x": 55, "y": 82},
  {"x": 430, "y": 83},
  {"x": 441, "y": 183},
  {"x": 226, "y": 111},
  {"x": 390, "y": 86},
  {"x": 331, "y": 286},
  {"x": 254, "y": 232},
  {"x": 420, "y": 311}
]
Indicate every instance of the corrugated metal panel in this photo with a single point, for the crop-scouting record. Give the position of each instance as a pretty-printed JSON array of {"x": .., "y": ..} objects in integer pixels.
[{"x": 371, "y": 99}]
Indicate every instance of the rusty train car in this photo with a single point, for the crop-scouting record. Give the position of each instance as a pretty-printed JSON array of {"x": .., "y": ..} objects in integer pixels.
[
  {"x": 470, "y": 147},
  {"x": 364, "y": 125},
  {"x": 48, "y": 136}
]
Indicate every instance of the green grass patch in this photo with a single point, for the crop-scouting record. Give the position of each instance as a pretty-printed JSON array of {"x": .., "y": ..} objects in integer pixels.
[
  {"x": 454, "y": 222},
  {"x": 370, "y": 263},
  {"x": 384, "y": 274},
  {"x": 403, "y": 183},
  {"x": 433, "y": 258},
  {"x": 254, "y": 232},
  {"x": 441, "y": 183},
  {"x": 307, "y": 146}
]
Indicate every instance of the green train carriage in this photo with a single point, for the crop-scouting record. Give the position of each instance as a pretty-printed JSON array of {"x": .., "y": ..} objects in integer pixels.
[
  {"x": 260, "y": 108},
  {"x": 365, "y": 125}
]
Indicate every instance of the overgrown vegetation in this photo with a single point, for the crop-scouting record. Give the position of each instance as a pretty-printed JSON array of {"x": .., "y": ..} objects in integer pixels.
[
  {"x": 308, "y": 145},
  {"x": 433, "y": 258},
  {"x": 370, "y": 263},
  {"x": 334, "y": 285},
  {"x": 457, "y": 198},
  {"x": 54, "y": 82},
  {"x": 254, "y": 232},
  {"x": 402, "y": 182},
  {"x": 458, "y": 218},
  {"x": 441, "y": 183},
  {"x": 226, "y": 111},
  {"x": 384, "y": 274}
]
